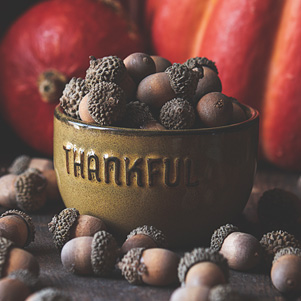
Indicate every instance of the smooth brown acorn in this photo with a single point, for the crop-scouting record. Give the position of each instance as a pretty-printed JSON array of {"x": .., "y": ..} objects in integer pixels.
[
  {"x": 18, "y": 227},
  {"x": 242, "y": 250},
  {"x": 69, "y": 224},
  {"x": 154, "y": 266},
  {"x": 190, "y": 293},
  {"x": 161, "y": 63},
  {"x": 49, "y": 294}
]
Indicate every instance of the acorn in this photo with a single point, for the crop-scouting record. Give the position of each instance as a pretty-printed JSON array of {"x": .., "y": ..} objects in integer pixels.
[
  {"x": 69, "y": 224},
  {"x": 139, "y": 65},
  {"x": 144, "y": 237},
  {"x": 273, "y": 241},
  {"x": 73, "y": 93},
  {"x": 18, "y": 227},
  {"x": 23, "y": 162},
  {"x": 242, "y": 250},
  {"x": 238, "y": 114},
  {"x": 155, "y": 266},
  {"x": 17, "y": 285},
  {"x": 203, "y": 267},
  {"x": 138, "y": 115},
  {"x": 110, "y": 69},
  {"x": 224, "y": 292},
  {"x": 104, "y": 104},
  {"x": 87, "y": 255},
  {"x": 190, "y": 293},
  {"x": 279, "y": 209},
  {"x": 177, "y": 114},
  {"x": 49, "y": 294},
  {"x": 215, "y": 109},
  {"x": 161, "y": 63},
  {"x": 176, "y": 81},
  {"x": 286, "y": 271},
  {"x": 210, "y": 82},
  {"x": 26, "y": 191},
  {"x": 12, "y": 259}
]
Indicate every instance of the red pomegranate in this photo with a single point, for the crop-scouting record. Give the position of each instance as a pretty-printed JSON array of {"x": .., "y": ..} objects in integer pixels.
[{"x": 47, "y": 46}]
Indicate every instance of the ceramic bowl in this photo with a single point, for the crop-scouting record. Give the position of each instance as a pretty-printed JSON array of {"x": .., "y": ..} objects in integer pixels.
[{"x": 184, "y": 182}]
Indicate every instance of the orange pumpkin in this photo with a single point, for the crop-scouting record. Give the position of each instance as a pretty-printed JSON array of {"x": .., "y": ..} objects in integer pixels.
[{"x": 256, "y": 46}]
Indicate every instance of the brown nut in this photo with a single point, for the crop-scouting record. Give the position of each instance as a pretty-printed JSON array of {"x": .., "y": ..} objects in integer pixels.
[
  {"x": 25, "y": 191},
  {"x": 215, "y": 109},
  {"x": 139, "y": 65},
  {"x": 153, "y": 266},
  {"x": 242, "y": 250},
  {"x": 286, "y": 271},
  {"x": 144, "y": 237},
  {"x": 69, "y": 224},
  {"x": 238, "y": 114},
  {"x": 17, "y": 226},
  {"x": 52, "y": 190},
  {"x": 88, "y": 255},
  {"x": 190, "y": 293},
  {"x": 161, "y": 63},
  {"x": 49, "y": 294},
  {"x": 12, "y": 259}
]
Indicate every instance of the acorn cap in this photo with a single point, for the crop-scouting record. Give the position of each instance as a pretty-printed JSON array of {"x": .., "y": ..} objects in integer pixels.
[
  {"x": 19, "y": 165},
  {"x": 224, "y": 292},
  {"x": 73, "y": 93},
  {"x": 287, "y": 251},
  {"x": 199, "y": 62},
  {"x": 177, "y": 114},
  {"x": 5, "y": 244},
  {"x": 24, "y": 276},
  {"x": 137, "y": 114},
  {"x": 201, "y": 255},
  {"x": 106, "y": 103},
  {"x": 155, "y": 234},
  {"x": 220, "y": 235},
  {"x": 30, "y": 187},
  {"x": 106, "y": 69},
  {"x": 130, "y": 266},
  {"x": 50, "y": 294},
  {"x": 183, "y": 80},
  {"x": 273, "y": 241},
  {"x": 60, "y": 226},
  {"x": 30, "y": 226},
  {"x": 104, "y": 253}
]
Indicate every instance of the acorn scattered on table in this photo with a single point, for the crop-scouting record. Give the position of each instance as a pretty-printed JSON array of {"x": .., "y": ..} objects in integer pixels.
[
  {"x": 69, "y": 224},
  {"x": 242, "y": 250},
  {"x": 203, "y": 267},
  {"x": 18, "y": 227},
  {"x": 87, "y": 255},
  {"x": 286, "y": 271},
  {"x": 49, "y": 294}
]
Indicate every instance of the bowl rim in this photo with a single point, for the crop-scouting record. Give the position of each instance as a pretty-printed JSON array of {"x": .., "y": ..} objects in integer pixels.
[{"x": 253, "y": 119}]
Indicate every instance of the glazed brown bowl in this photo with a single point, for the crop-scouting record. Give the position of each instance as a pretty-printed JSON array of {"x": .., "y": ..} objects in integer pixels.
[{"x": 184, "y": 182}]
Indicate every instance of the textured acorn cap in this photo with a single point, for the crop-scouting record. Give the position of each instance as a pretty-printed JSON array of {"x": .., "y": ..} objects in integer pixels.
[
  {"x": 30, "y": 190},
  {"x": 273, "y": 241},
  {"x": 107, "y": 69},
  {"x": 224, "y": 292},
  {"x": 177, "y": 114},
  {"x": 24, "y": 276},
  {"x": 30, "y": 226},
  {"x": 137, "y": 114},
  {"x": 60, "y": 226},
  {"x": 19, "y": 165},
  {"x": 220, "y": 234},
  {"x": 5, "y": 244},
  {"x": 287, "y": 251},
  {"x": 106, "y": 103},
  {"x": 155, "y": 234},
  {"x": 201, "y": 255},
  {"x": 73, "y": 93},
  {"x": 199, "y": 62},
  {"x": 183, "y": 80},
  {"x": 50, "y": 294},
  {"x": 130, "y": 266},
  {"x": 104, "y": 253}
]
